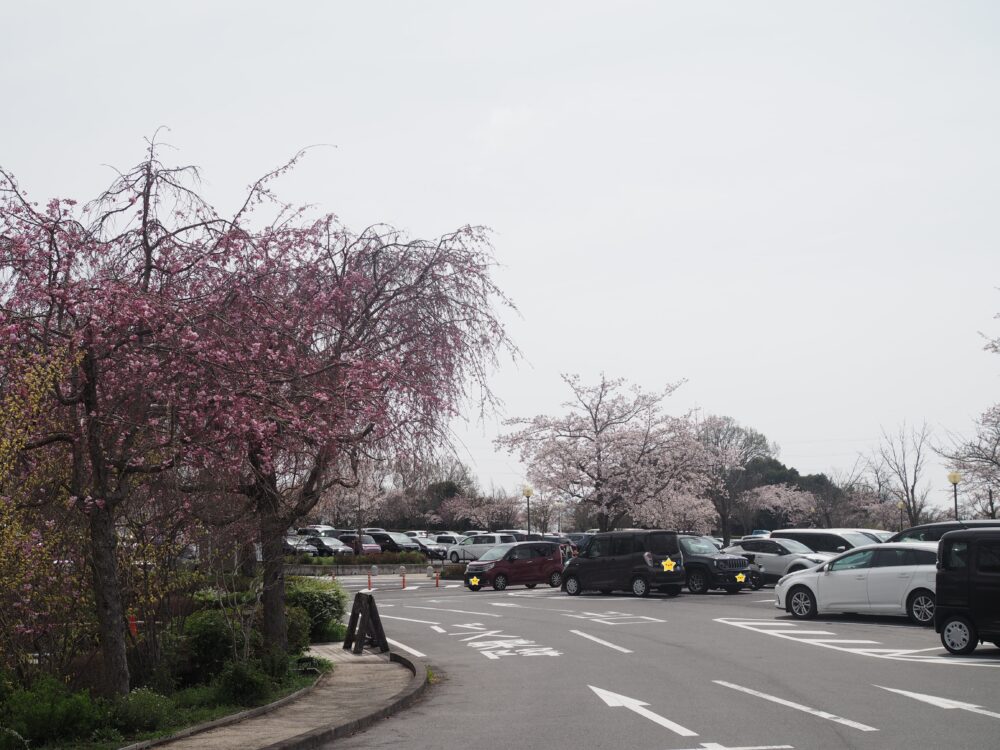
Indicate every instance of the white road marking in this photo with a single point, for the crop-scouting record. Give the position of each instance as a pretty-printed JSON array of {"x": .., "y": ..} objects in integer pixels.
[
  {"x": 832, "y": 640},
  {"x": 615, "y": 700},
  {"x": 407, "y": 619},
  {"x": 717, "y": 746},
  {"x": 460, "y": 611},
  {"x": 798, "y": 706},
  {"x": 598, "y": 640},
  {"x": 438, "y": 629},
  {"x": 947, "y": 703},
  {"x": 407, "y": 649},
  {"x": 803, "y": 632}
]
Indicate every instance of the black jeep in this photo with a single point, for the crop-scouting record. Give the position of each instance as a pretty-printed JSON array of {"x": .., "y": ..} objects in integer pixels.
[{"x": 707, "y": 568}]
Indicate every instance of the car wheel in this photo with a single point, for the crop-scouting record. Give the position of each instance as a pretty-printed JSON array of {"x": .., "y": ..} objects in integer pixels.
[
  {"x": 454, "y": 557},
  {"x": 802, "y": 603},
  {"x": 530, "y": 585},
  {"x": 732, "y": 589},
  {"x": 756, "y": 581},
  {"x": 640, "y": 586},
  {"x": 500, "y": 582},
  {"x": 572, "y": 585},
  {"x": 920, "y": 607},
  {"x": 671, "y": 590},
  {"x": 474, "y": 588},
  {"x": 959, "y": 636},
  {"x": 697, "y": 581},
  {"x": 555, "y": 580}
]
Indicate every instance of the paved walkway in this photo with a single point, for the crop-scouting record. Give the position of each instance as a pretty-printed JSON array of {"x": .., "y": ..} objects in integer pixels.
[{"x": 358, "y": 684}]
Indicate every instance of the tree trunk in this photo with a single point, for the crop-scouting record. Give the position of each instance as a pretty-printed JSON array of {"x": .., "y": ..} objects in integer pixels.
[
  {"x": 107, "y": 595},
  {"x": 275, "y": 632}
]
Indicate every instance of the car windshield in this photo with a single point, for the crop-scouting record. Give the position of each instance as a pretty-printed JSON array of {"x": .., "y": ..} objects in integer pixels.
[
  {"x": 495, "y": 553},
  {"x": 697, "y": 546},
  {"x": 367, "y": 540},
  {"x": 401, "y": 538},
  {"x": 793, "y": 546}
]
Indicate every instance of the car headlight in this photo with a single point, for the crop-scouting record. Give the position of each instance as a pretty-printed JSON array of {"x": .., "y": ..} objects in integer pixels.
[{"x": 488, "y": 566}]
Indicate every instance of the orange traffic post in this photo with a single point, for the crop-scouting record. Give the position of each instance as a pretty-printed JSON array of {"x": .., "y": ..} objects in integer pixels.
[
  {"x": 437, "y": 579},
  {"x": 369, "y": 581},
  {"x": 404, "y": 579}
]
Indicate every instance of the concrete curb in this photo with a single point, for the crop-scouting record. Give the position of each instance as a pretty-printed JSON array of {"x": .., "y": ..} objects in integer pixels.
[
  {"x": 406, "y": 697},
  {"x": 224, "y": 721}
]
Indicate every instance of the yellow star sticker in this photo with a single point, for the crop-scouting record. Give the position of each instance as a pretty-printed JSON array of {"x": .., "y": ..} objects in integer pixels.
[
  {"x": 740, "y": 578},
  {"x": 474, "y": 581},
  {"x": 669, "y": 565}
]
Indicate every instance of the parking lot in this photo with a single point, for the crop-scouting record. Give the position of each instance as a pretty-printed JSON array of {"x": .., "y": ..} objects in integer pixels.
[{"x": 711, "y": 671}]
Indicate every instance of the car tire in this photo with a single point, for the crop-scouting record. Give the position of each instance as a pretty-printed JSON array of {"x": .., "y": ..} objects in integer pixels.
[
  {"x": 697, "y": 581},
  {"x": 530, "y": 585},
  {"x": 454, "y": 557},
  {"x": 474, "y": 588},
  {"x": 640, "y": 587},
  {"x": 732, "y": 589},
  {"x": 920, "y": 607},
  {"x": 959, "y": 636},
  {"x": 500, "y": 582},
  {"x": 672, "y": 590},
  {"x": 756, "y": 581},
  {"x": 555, "y": 580},
  {"x": 572, "y": 585},
  {"x": 802, "y": 603}
]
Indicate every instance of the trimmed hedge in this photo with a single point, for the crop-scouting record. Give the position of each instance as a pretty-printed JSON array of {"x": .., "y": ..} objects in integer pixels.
[{"x": 324, "y": 601}]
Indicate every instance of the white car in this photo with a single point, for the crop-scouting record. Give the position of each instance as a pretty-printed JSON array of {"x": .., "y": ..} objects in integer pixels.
[
  {"x": 880, "y": 579},
  {"x": 472, "y": 547},
  {"x": 778, "y": 557}
]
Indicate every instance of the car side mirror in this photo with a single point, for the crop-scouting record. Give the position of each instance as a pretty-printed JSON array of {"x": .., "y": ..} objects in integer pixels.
[
  {"x": 825, "y": 568},
  {"x": 841, "y": 548}
]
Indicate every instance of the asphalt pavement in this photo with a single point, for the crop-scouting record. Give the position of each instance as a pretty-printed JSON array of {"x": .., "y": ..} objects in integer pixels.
[{"x": 538, "y": 668}]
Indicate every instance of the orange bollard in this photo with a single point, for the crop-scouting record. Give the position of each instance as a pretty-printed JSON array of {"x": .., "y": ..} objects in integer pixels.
[
  {"x": 404, "y": 579},
  {"x": 437, "y": 579},
  {"x": 369, "y": 581}
]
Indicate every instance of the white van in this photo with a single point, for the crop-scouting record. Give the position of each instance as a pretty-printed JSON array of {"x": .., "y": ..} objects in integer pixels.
[{"x": 474, "y": 546}]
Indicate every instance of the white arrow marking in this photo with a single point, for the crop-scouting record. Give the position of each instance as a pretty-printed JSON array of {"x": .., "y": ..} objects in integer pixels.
[
  {"x": 798, "y": 707},
  {"x": 615, "y": 700},
  {"x": 943, "y": 702}
]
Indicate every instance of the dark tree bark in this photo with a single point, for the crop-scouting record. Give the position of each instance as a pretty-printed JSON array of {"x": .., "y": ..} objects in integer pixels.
[{"x": 107, "y": 595}]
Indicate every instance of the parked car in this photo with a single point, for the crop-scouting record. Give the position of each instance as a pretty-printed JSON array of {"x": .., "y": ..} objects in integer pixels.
[
  {"x": 431, "y": 548},
  {"x": 877, "y": 535},
  {"x": 968, "y": 589},
  {"x": 893, "y": 578},
  {"x": 527, "y": 563},
  {"x": 825, "y": 540},
  {"x": 297, "y": 545},
  {"x": 448, "y": 539},
  {"x": 707, "y": 568},
  {"x": 475, "y": 532},
  {"x": 370, "y": 529},
  {"x": 416, "y": 533},
  {"x": 775, "y": 558},
  {"x": 394, "y": 541},
  {"x": 366, "y": 545},
  {"x": 329, "y": 546},
  {"x": 932, "y": 532},
  {"x": 471, "y": 548},
  {"x": 633, "y": 561}
]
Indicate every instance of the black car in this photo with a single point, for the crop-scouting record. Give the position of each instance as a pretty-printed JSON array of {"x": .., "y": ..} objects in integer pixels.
[
  {"x": 394, "y": 541},
  {"x": 707, "y": 568},
  {"x": 633, "y": 561},
  {"x": 932, "y": 532},
  {"x": 329, "y": 546},
  {"x": 431, "y": 548},
  {"x": 968, "y": 589},
  {"x": 834, "y": 541}
]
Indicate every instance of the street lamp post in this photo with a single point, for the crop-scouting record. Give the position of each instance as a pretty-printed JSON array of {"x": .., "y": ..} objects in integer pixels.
[
  {"x": 901, "y": 505},
  {"x": 954, "y": 477},
  {"x": 528, "y": 492}
]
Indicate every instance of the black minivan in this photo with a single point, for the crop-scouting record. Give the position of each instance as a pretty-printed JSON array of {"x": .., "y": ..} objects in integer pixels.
[
  {"x": 635, "y": 561},
  {"x": 968, "y": 589}
]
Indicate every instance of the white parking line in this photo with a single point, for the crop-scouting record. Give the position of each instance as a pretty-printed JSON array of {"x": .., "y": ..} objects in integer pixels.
[
  {"x": 803, "y": 632},
  {"x": 833, "y": 640},
  {"x": 460, "y": 611},
  {"x": 598, "y": 640},
  {"x": 798, "y": 707},
  {"x": 407, "y": 649},
  {"x": 438, "y": 629},
  {"x": 407, "y": 619}
]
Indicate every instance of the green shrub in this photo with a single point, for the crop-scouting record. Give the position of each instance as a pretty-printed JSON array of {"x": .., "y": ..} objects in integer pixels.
[
  {"x": 324, "y": 600},
  {"x": 142, "y": 710},
  {"x": 195, "y": 696},
  {"x": 331, "y": 632},
  {"x": 299, "y": 628},
  {"x": 453, "y": 572},
  {"x": 243, "y": 684},
  {"x": 209, "y": 641},
  {"x": 48, "y": 711}
]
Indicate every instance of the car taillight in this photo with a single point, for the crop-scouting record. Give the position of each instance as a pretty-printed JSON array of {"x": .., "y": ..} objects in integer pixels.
[{"x": 648, "y": 557}]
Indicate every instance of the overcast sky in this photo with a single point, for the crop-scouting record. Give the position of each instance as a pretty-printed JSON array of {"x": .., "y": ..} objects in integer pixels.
[{"x": 791, "y": 206}]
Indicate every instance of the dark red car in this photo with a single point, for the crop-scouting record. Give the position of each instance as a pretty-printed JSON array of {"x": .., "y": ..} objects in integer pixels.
[
  {"x": 368, "y": 546},
  {"x": 527, "y": 563}
]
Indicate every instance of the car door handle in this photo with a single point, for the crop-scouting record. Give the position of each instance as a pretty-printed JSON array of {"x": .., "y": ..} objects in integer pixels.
[
  {"x": 904, "y": 575},
  {"x": 859, "y": 578}
]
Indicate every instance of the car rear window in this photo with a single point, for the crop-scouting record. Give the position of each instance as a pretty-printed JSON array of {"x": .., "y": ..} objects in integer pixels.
[
  {"x": 504, "y": 539},
  {"x": 955, "y": 556},
  {"x": 988, "y": 557},
  {"x": 662, "y": 544}
]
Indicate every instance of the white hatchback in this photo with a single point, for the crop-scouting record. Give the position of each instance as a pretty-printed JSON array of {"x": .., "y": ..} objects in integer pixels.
[
  {"x": 473, "y": 547},
  {"x": 880, "y": 579}
]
